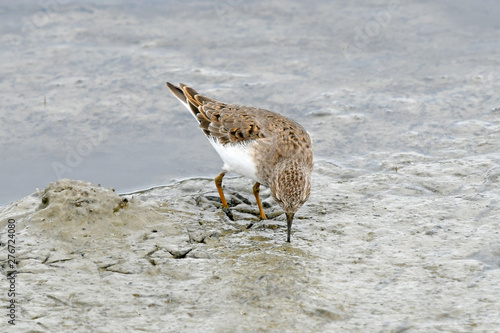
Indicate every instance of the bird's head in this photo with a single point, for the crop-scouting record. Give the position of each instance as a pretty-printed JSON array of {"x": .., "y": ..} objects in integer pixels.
[{"x": 290, "y": 187}]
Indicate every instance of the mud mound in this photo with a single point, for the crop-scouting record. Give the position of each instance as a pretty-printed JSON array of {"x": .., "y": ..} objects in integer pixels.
[{"x": 73, "y": 210}]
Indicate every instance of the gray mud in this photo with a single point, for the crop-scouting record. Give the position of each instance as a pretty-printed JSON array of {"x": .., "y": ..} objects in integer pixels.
[
  {"x": 384, "y": 251},
  {"x": 401, "y": 232}
]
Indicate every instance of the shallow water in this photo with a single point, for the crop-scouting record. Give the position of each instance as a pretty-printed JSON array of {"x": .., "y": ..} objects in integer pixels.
[
  {"x": 83, "y": 90},
  {"x": 400, "y": 232}
]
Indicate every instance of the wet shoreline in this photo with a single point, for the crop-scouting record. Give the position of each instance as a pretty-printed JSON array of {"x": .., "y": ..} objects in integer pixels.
[
  {"x": 400, "y": 232},
  {"x": 357, "y": 255}
]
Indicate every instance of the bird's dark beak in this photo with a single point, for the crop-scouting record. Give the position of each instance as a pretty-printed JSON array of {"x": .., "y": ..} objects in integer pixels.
[{"x": 289, "y": 220}]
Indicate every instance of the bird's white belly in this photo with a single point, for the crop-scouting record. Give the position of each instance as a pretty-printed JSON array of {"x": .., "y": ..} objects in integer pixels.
[{"x": 237, "y": 158}]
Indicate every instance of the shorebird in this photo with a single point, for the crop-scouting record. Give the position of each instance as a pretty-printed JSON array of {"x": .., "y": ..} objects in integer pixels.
[{"x": 267, "y": 147}]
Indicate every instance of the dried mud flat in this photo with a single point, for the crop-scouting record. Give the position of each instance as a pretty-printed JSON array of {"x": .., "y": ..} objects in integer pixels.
[
  {"x": 401, "y": 233},
  {"x": 393, "y": 250}
]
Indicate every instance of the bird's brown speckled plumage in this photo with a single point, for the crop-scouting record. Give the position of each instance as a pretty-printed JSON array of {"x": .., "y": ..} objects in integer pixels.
[{"x": 283, "y": 149}]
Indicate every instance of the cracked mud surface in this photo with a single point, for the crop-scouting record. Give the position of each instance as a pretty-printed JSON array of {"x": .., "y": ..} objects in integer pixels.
[
  {"x": 419, "y": 255},
  {"x": 401, "y": 232}
]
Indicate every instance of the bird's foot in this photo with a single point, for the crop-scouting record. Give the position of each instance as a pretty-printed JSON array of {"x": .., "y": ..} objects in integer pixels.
[{"x": 228, "y": 213}]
